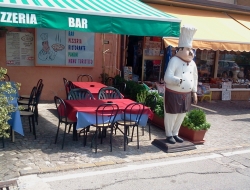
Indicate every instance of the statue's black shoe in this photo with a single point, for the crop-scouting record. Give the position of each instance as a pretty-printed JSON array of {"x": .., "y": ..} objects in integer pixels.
[
  {"x": 178, "y": 139},
  {"x": 170, "y": 140}
]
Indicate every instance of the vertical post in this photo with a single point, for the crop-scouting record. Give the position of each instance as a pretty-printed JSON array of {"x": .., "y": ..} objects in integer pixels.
[{"x": 217, "y": 54}]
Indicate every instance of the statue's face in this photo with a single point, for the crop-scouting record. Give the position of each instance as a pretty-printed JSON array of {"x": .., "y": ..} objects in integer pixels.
[{"x": 186, "y": 54}]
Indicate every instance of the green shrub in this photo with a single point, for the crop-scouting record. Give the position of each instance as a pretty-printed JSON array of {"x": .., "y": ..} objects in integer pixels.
[
  {"x": 5, "y": 108},
  {"x": 196, "y": 120}
]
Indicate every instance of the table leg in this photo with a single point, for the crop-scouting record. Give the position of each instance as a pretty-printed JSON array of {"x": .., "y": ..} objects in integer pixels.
[{"x": 74, "y": 132}]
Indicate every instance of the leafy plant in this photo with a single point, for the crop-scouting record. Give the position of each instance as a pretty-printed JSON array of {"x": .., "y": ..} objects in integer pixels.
[
  {"x": 159, "y": 107},
  {"x": 196, "y": 120},
  {"x": 5, "y": 107}
]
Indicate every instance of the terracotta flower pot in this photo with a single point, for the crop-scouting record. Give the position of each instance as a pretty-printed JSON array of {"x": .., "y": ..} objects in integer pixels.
[
  {"x": 158, "y": 122},
  {"x": 196, "y": 137}
]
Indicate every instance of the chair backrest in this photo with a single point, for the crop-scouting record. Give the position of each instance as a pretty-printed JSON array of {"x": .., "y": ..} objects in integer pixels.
[
  {"x": 61, "y": 109},
  {"x": 80, "y": 94},
  {"x": 65, "y": 81},
  {"x": 109, "y": 93},
  {"x": 150, "y": 101},
  {"x": 106, "y": 114},
  {"x": 39, "y": 82},
  {"x": 110, "y": 81},
  {"x": 38, "y": 93},
  {"x": 133, "y": 113},
  {"x": 68, "y": 87},
  {"x": 85, "y": 77},
  {"x": 32, "y": 101},
  {"x": 6, "y": 77}
]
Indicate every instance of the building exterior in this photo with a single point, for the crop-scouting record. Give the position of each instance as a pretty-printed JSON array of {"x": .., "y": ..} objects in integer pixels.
[{"x": 221, "y": 41}]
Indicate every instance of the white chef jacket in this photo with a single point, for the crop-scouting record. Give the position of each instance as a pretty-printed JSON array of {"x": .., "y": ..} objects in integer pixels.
[{"x": 178, "y": 69}]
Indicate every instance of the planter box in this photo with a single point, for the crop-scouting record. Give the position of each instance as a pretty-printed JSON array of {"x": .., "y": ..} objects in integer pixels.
[
  {"x": 158, "y": 122},
  {"x": 196, "y": 137}
]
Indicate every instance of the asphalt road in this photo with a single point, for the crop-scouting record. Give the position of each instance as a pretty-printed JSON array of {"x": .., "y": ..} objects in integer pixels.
[{"x": 220, "y": 170}]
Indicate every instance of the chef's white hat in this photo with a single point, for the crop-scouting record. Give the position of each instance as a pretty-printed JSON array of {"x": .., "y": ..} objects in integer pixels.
[
  {"x": 186, "y": 36},
  {"x": 44, "y": 37}
]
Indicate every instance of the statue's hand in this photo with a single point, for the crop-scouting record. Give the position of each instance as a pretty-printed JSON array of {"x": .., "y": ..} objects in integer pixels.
[{"x": 195, "y": 98}]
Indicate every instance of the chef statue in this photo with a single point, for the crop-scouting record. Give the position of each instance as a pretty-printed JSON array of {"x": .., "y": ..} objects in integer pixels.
[
  {"x": 46, "y": 53},
  {"x": 181, "y": 85}
]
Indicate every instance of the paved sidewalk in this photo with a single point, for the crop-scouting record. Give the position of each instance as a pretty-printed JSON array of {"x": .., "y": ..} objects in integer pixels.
[{"x": 230, "y": 129}]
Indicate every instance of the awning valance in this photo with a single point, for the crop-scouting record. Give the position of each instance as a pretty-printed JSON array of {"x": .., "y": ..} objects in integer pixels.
[
  {"x": 215, "y": 30},
  {"x": 129, "y": 17}
]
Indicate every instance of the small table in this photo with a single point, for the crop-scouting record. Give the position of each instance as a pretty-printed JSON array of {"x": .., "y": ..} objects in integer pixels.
[
  {"x": 93, "y": 87},
  {"x": 83, "y": 111}
]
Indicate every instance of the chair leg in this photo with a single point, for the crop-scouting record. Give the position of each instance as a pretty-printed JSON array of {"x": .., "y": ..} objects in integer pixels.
[
  {"x": 132, "y": 133},
  {"x": 70, "y": 129},
  {"x": 149, "y": 130},
  {"x": 30, "y": 124},
  {"x": 36, "y": 114},
  {"x": 96, "y": 140},
  {"x": 111, "y": 138},
  {"x": 57, "y": 131},
  {"x": 33, "y": 124},
  {"x": 143, "y": 131},
  {"x": 85, "y": 133},
  {"x": 64, "y": 135},
  {"x": 137, "y": 136}
]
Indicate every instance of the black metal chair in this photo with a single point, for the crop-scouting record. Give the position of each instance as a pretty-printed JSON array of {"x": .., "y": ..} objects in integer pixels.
[
  {"x": 131, "y": 118},
  {"x": 105, "y": 117},
  {"x": 36, "y": 100},
  {"x": 80, "y": 94},
  {"x": 121, "y": 87},
  {"x": 109, "y": 93},
  {"x": 6, "y": 77},
  {"x": 68, "y": 87},
  {"x": 39, "y": 82},
  {"x": 150, "y": 102},
  {"x": 110, "y": 81},
  {"x": 30, "y": 111},
  {"x": 62, "y": 117},
  {"x": 85, "y": 77}
]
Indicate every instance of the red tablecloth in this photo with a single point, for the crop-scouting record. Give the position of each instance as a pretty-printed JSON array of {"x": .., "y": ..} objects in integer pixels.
[
  {"x": 93, "y": 87},
  {"x": 89, "y": 106}
]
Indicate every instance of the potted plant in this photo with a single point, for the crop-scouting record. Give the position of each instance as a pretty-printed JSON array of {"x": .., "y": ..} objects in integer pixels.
[
  {"x": 194, "y": 126},
  {"x": 6, "y": 107}
]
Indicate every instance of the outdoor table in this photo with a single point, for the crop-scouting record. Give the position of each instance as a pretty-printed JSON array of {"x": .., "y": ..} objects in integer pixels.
[
  {"x": 15, "y": 121},
  {"x": 93, "y": 87},
  {"x": 83, "y": 112}
]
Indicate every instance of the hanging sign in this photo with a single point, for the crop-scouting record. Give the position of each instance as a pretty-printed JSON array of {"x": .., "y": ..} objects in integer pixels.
[{"x": 79, "y": 49}]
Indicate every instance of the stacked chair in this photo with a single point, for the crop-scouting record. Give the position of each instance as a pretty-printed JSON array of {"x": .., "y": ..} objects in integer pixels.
[{"x": 25, "y": 102}]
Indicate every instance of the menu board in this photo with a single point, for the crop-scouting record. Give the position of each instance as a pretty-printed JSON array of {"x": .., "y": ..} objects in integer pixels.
[
  {"x": 19, "y": 49},
  {"x": 80, "y": 49},
  {"x": 51, "y": 48},
  {"x": 152, "y": 46},
  {"x": 64, "y": 48}
]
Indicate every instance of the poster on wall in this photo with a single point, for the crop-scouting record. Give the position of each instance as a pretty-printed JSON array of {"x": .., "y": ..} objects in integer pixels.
[
  {"x": 80, "y": 49},
  {"x": 50, "y": 47},
  {"x": 19, "y": 49}
]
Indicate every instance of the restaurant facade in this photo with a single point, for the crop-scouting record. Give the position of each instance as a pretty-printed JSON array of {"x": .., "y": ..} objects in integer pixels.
[
  {"x": 222, "y": 45},
  {"x": 53, "y": 40}
]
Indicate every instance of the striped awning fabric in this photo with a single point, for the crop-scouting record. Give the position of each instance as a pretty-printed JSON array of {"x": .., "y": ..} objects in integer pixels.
[{"x": 130, "y": 17}]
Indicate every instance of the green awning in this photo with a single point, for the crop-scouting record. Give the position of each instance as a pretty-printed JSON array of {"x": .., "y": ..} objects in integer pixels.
[{"x": 128, "y": 17}]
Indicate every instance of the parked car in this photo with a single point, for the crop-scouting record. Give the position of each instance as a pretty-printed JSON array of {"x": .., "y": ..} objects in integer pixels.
[{"x": 225, "y": 66}]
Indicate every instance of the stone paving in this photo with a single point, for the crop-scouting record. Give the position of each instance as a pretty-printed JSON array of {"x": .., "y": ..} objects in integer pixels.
[{"x": 230, "y": 129}]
